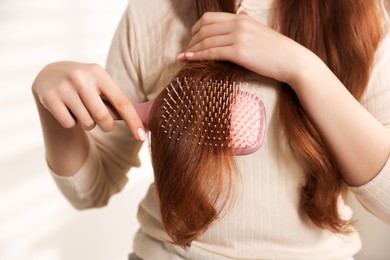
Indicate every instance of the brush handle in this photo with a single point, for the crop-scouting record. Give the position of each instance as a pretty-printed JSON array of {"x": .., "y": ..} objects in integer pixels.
[{"x": 142, "y": 109}]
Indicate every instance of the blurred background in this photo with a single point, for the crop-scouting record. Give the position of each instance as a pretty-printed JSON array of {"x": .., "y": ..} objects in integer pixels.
[{"x": 36, "y": 222}]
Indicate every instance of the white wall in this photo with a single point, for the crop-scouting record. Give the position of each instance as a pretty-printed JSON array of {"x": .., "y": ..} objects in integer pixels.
[{"x": 36, "y": 222}]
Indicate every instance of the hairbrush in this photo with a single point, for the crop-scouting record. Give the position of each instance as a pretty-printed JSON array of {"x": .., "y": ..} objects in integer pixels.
[{"x": 214, "y": 113}]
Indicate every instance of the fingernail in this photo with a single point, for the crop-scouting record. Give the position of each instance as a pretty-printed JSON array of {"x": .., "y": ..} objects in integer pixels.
[
  {"x": 180, "y": 56},
  {"x": 189, "y": 54},
  {"x": 141, "y": 134}
]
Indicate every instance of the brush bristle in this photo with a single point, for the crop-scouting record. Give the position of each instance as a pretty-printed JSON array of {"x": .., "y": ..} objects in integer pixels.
[{"x": 213, "y": 113}]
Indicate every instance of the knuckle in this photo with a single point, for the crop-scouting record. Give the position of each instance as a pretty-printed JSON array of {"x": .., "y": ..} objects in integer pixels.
[
  {"x": 48, "y": 99},
  {"x": 89, "y": 125},
  {"x": 213, "y": 53},
  {"x": 207, "y": 16},
  {"x": 240, "y": 40},
  {"x": 122, "y": 102},
  {"x": 68, "y": 124},
  {"x": 243, "y": 24},
  {"x": 202, "y": 33},
  {"x": 107, "y": 126},
  {"x": 203, "y": 44},
  {"x": 239, "y": 53},
  {"x": 94, "y": 67},
  {"x": 102, "y": 115},
  {"x": 76, "y": 76},
  {"x": 62, "y": 90}
]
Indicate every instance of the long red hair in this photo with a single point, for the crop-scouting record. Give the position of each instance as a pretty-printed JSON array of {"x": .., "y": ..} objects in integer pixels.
[
  {"x": 195, "y": 183},
  {"x": 345, "y": 35}
]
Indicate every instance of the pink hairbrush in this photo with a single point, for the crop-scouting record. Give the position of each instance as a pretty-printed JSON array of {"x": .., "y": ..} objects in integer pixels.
[{"x": 217, "y": 106}]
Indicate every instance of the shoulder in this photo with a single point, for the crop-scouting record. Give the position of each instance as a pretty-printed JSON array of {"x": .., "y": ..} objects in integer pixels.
[
  {"x": 151, "y": 34},
  {"x": 377, "y": 95},
  {"x": 383, "y": 52},
  {"x": 381, "y": 62},
  {"x": 155, "y": 12},
  {"x": 158, "y": 25}
]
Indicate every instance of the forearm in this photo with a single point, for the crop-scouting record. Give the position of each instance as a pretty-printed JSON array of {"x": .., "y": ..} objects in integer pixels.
[
  {"x": 66, "y": 149},
  {"x": 359, "y": 143}
]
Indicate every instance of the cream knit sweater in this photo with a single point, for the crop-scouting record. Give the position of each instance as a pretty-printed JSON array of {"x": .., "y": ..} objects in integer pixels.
[{"x": 267, "y": 221}]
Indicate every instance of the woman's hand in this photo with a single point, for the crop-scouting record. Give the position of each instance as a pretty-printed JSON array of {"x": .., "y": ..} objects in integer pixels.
[
  {"x": 72, "y": 91},
  {"x": 245, "y": 42}
]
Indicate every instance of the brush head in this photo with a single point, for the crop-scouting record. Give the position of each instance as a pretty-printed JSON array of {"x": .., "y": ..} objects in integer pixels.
[
  {"x": 212, "y": 113},
  {"x": 247, "y": 125},
  {"x": 215, "y": 114}
]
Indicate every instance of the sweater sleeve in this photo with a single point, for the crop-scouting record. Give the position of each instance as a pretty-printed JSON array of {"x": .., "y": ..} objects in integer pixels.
[
  {"x": 375, "y": 195},
  {"x": 112, "y": 154}
]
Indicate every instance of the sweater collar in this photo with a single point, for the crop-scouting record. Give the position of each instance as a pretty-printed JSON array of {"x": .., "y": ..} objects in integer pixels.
[
  {"x": 257, "y": 9},
  {"x": 255, "y": 5}
]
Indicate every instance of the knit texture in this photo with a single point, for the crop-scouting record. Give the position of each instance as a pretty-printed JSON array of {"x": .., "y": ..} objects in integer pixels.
[{"x": 266, "y": 221}]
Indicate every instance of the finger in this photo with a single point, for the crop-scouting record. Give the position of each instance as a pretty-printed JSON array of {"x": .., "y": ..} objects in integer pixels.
[
  {"x": 89, "y": 95},
  {"x": 98, "y": 111},
  {"x": 212, "y": 42},
  {"x": 79, "y": 111},
  {"x": 62, "y": 115},
  {"x": 52, "y": 103},
  {"x": 111, "y": 109},
  {"x": 210, "y": 18},
  {"x": 86, "y": 104},
  {"x": 225, "y": 53},
  {"x": 128, "y": 113},
  {"x": 122, "y": 105},
  {"x": 210, "y": 31}
]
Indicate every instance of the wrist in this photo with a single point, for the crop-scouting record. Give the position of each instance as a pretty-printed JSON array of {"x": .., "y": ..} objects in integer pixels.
[{"x": 306, "y": 69}]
